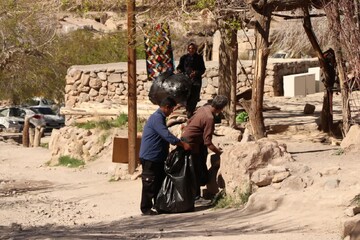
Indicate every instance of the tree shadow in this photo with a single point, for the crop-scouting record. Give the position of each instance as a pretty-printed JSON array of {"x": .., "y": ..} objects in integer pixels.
[{"x": 228, "y": 222}]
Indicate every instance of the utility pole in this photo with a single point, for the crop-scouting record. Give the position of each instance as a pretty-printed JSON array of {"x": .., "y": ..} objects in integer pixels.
[{"x": 132, "y": 118}]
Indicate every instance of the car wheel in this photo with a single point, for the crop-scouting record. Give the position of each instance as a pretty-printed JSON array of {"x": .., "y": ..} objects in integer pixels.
[{"x": 2, "y": 128}]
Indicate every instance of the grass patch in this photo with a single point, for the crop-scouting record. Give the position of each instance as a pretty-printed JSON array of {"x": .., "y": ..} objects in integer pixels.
[
  {"x": 222, "y": 200},
  {"x": 103, "y": 137},
  {"x": 70, "y": 162},
  {"x": 88, "y": 125},
  {"x": 339, "y": 152},
  {"x": 44, "y": 145},
  {"x": 140, "y": 124},
  {"x": 114, "y": 179},
  {"x": 119, "y": 122}
]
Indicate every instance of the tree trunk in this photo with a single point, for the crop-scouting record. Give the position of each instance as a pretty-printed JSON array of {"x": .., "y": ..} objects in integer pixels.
[
  {"x": 37, "y": 137},
  {"x": 336, "y": 26},
  {"x": 228, "y": 71},
  {"x": 326, "y": 117},
  {"x": 262, "y": 28},
  {"x": 25, "y": 133}
]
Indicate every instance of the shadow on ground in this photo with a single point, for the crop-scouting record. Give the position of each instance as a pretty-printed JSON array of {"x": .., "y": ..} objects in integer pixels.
[{"x": 229, "y": 222}]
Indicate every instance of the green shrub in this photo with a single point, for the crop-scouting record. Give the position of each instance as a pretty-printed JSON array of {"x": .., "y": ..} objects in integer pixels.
[
  {"x": 222, "y": 200},
  {"x": 242, "y": 117},
  {"x": 68, "y": 161},
  {"x": 122, "y": 119}
]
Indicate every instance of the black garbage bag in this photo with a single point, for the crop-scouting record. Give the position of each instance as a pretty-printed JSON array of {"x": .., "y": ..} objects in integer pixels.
[
  {"x": 178, "y": 190},
  {"x": 172, "y": 85}
]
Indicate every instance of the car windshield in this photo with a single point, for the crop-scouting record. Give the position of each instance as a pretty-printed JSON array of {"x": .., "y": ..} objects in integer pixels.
[
  {"x": 16, "y": 112},
  {"x": 42, "y": 110}
]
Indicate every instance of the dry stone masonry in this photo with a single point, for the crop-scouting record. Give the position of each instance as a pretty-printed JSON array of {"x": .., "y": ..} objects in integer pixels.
[{"x": 107, "y": 84}]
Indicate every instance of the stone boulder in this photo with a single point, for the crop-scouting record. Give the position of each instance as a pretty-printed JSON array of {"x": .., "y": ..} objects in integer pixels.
[
  {"x": 241, "y": 160},
  {"x": 352, "y": 140},
  {"x": 79, "y": 143}
]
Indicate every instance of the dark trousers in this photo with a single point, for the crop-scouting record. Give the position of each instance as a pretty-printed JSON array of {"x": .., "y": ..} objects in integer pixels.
[
  {"x": 201, "y": 170},
  {"x": 192, "y": 100},
  {"x": 152, "y": 176}
]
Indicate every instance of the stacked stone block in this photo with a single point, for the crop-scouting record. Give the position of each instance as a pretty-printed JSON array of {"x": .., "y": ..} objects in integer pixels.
[{"x": 108, "y": 83}]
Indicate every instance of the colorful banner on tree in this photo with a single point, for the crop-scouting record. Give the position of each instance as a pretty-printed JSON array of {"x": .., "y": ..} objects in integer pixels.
[{"x": 158, "y": 51}]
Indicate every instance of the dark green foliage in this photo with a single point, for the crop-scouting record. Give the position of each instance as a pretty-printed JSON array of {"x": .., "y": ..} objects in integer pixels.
[{"x": 242, "y": 117}]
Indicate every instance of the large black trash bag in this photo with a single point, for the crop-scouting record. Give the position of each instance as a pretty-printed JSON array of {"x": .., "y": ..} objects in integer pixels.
[
  {"x": 178, "y": 190},
  {"x": 172, "y": 85}
]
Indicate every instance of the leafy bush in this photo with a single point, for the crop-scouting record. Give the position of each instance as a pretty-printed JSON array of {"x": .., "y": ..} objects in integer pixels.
[
  {"x": 242, "y": 117},
  {"x": 68, "y": 161}
]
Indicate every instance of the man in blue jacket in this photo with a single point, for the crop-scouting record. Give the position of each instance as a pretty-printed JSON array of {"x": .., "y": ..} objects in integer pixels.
[{"x": 154, "y": 150}]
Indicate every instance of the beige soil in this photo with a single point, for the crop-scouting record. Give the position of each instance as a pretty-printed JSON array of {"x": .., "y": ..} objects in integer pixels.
[{"x": 42, "y": 202}]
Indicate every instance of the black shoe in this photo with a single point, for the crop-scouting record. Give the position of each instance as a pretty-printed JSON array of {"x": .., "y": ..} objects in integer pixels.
[
  {"x": 202, "y": 202},
  {"x": 149, "y": 212}
]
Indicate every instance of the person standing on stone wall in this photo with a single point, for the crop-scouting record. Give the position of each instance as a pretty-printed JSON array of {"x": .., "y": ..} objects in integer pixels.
[
  {"x": 154, "y": 150},
  {"x": 192, "y": 64}
]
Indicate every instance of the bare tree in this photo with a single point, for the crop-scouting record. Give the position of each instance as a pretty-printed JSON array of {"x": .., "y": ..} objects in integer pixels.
[
  {"x": 230, "y": 18},
  {"x": 343, "y": 16},
  {"x": 26, "y": 30},
  {"x": 287, "y": 36}
]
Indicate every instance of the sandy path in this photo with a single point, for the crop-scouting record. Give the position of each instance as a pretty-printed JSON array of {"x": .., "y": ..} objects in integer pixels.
[{"x": 40, "y": 202}]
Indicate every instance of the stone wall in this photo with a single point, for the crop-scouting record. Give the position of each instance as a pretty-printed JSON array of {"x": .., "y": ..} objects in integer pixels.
[{"x": 108, "y": 83}]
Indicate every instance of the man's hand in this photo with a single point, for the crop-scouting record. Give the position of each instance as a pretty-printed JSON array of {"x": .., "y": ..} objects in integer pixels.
[
  {"x": 186, "y": 146},
  {"x": 216, "y": 150},
  {"x": 179, "y": 105},
  {"x": 192, "y": 74}
]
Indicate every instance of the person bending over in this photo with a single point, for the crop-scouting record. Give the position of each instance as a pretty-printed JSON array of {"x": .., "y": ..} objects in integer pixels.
[
  {"x": 154, "y": 150},
  {"x": 198, "y": 133}
]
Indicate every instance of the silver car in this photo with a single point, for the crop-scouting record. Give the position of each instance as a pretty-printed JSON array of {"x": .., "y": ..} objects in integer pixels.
[
  {"x": 12, "y": 118},
  {"x": 52, "y": 120}
]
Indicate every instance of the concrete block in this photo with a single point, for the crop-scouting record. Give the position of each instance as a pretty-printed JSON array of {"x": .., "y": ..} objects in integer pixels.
[
  {"x": 299, "y": 84},
  {"x": 319, "y": 86}
]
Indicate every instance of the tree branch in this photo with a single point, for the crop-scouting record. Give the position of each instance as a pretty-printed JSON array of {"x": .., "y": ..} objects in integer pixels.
[{"x": 286, "y": 17}]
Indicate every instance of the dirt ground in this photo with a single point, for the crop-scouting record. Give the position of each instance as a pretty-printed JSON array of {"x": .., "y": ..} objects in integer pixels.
[{"x": 42, "y": 202}]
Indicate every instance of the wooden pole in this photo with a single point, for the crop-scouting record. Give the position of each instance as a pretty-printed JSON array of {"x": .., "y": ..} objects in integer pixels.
[
  {"x": 25, "y": 133},
  {"x": 132, "y": 119}
]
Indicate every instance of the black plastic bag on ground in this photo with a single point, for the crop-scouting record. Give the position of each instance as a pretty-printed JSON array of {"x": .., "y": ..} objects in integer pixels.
[
  {"x": 172, "y": 85},
  {"x": 178, "y": 190}
]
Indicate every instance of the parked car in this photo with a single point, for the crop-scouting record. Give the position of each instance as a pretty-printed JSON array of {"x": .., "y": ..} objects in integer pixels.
[
  {"x": 14, "y": 117},
  {"x": 280, "y": 54},
  {"x": 52, "y": 120}
]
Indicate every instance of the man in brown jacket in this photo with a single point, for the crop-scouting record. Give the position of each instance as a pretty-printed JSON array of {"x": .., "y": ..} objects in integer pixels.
[{"x": 198, "y": 133}]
